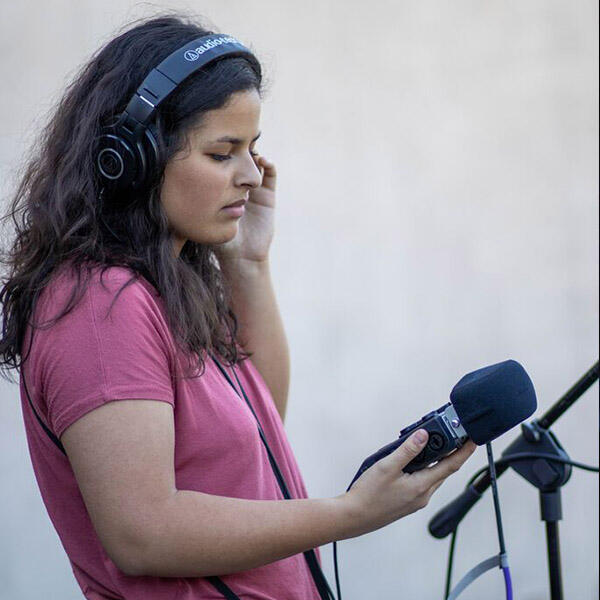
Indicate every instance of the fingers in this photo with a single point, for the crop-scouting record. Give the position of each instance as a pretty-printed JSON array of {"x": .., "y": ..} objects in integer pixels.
[
  {"x": 267, "y": 171},
  {"x": 265, "y": 162},
  {"x": 409, "y": 449},
  {"x": 450, "y": 464},
  {"x": 435, "y": 486}
]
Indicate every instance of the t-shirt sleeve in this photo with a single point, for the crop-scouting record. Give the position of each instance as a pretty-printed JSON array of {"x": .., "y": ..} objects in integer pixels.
[{"x": 92, "y": 356}]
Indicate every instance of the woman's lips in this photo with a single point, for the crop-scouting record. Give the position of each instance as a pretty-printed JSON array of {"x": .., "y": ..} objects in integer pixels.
[
  {"x": 240, "y": 202},
  {"x": 234, "y": 211}
]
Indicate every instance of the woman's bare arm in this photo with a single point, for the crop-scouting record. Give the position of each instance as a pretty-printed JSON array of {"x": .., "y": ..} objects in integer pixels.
[
  {"x": 122, "y": 455},
  {"x": 260, "y": 324}
]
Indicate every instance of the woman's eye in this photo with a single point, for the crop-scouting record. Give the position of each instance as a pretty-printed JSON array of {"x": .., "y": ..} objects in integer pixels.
[{"x": 222, "y": 157}]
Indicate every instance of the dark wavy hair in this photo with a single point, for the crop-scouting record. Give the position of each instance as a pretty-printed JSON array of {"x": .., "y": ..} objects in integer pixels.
[{"x": 60, "y": 215}]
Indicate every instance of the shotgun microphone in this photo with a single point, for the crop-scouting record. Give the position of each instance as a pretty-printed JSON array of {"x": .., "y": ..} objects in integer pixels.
[{"x": 483, "y": 405}]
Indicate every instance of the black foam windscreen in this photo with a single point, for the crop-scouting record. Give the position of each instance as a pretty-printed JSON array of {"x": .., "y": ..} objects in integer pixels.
[{"x": 494, "y": 399}]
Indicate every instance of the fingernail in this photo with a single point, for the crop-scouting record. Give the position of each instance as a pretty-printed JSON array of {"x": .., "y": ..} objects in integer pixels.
[{"x": 421, "y": 436}]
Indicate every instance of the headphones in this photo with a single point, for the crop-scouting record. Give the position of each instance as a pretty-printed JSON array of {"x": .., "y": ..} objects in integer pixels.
[{"x": 127, "y": 152}]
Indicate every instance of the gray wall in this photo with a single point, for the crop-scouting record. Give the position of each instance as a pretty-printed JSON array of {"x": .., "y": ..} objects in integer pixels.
[{"x": 437, "y": 212}]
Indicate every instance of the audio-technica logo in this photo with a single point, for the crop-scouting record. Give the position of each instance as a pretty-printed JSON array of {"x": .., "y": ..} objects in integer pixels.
[
  {"x": 194, "y": 54},
  {"x": 191, "y": 55}
]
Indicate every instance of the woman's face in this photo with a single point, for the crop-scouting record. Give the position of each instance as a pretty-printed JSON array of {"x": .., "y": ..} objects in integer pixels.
[{"x": 216, "y": 169}]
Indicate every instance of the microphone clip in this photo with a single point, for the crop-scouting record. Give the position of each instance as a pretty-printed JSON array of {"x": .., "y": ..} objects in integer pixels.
[{"x": 545, "y": 474}]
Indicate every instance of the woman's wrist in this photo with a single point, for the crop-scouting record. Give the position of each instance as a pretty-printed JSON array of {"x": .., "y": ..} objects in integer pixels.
[
  {"x": 349, "y": 517},
  {"x": 244, "y": 266}
]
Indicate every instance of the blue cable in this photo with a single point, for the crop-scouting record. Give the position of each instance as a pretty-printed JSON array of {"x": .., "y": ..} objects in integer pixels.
[{"x": 507, "y": 583}]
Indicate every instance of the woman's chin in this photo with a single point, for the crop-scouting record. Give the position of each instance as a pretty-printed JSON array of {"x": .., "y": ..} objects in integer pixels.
[
  {"x": 231, "y": 234},
  {"x": 222, "y": 236}
]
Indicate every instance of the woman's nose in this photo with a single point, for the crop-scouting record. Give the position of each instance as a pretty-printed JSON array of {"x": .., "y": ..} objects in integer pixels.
[{"x": 249, "y": 174}]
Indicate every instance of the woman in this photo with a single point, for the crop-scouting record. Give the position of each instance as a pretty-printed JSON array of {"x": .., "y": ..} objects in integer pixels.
[{"x": 154, "y": 365}]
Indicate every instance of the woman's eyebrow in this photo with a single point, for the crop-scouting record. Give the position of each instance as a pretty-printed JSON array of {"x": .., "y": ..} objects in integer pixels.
[{"x": 235, "y": 141}]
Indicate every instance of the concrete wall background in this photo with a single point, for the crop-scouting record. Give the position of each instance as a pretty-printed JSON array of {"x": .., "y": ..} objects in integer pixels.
[{"x": 438, "y": 211}]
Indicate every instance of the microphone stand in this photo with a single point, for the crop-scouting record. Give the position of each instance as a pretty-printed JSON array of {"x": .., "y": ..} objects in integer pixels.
[{"x": 547, "y": 475}]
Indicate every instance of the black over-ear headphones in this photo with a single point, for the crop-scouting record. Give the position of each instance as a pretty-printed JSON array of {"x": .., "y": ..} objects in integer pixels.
[{"x": 127, "y": 152}]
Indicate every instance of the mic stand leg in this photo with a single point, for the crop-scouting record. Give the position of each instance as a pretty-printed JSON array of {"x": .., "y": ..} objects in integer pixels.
[
  {"x": 548, "y": 477},
  {"x": 551, "y": 509}
]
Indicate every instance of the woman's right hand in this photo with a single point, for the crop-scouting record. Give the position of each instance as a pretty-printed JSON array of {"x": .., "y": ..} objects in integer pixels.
[{"x": 384, "y": 493}]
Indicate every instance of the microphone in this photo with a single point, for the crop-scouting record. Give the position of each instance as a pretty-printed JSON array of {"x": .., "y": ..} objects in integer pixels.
[
  {"x": 483, "y": 405},
  {"x": 447, "y": 519}
]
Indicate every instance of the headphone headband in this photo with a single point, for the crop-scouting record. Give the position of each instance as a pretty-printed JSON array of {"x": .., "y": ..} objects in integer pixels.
[{"x": 179, "y": 65}]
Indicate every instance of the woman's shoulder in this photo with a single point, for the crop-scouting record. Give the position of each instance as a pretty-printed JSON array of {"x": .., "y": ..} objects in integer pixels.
[
  {"x": 97, "y": 277},
  {"x": 76, "y": 289}
]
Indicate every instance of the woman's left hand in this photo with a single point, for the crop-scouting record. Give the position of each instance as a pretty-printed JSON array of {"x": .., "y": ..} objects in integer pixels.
[{"x": 256, "y": 227}]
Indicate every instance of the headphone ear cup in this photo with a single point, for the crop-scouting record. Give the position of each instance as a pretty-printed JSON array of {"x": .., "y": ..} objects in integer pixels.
[
  {"x": 116, "y": 160},
  {"x": 127, "y": 159}
]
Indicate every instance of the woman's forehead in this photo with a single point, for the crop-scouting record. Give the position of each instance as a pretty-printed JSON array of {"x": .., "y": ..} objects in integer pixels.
[{"x": 238, "y": 119}]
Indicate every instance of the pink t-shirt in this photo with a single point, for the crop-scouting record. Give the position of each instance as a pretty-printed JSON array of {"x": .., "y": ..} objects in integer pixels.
[{"x": 88, "y": 359}]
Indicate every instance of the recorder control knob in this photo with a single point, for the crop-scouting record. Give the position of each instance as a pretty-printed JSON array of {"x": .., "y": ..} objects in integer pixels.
[{"x": 436, "y": 441}]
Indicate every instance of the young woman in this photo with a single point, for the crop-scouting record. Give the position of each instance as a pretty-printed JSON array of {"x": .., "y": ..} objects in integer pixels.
[{"x": 154, "y": 367}]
